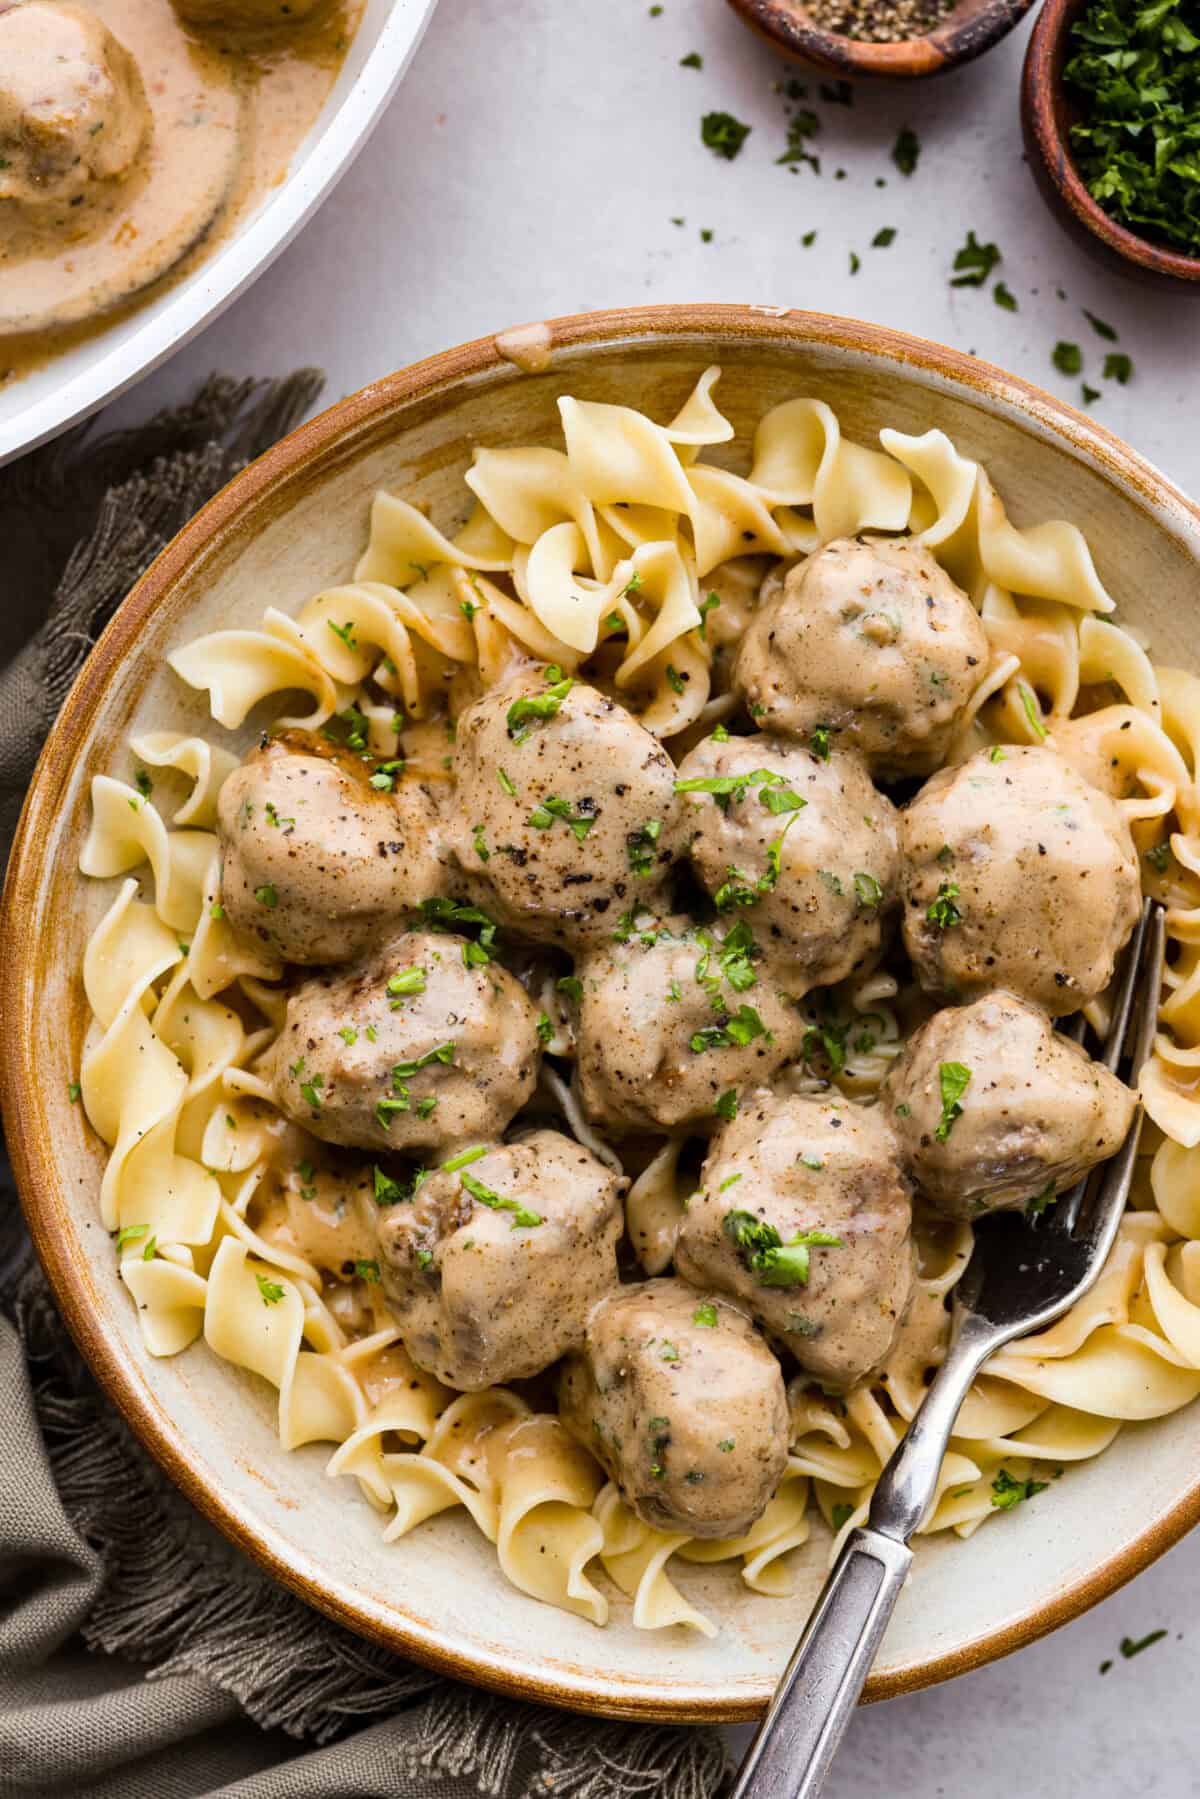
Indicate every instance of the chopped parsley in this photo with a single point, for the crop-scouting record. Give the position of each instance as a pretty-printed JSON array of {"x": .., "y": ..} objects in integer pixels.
[
  {"x": 953, "y": 1078},
  {"x": 867, "y": 891},
  {"x": 444, "y": 1053},
  {"x": 131, "y": 1233},
  {"x": 73, "y": 1092},
  {"x": 528, "y": 708},
  {"x": 270, "y": 1292},
  {"x": 523, "y": 1218},
  {"x": 974, "y": 262},
  {"x": 668, "y": 1353},
  {"x": 818, "y": 742},
  {"x": 707, "y": 605},
  {"x": 1037, "y": 1205},
  {"x": 884, "y": 238},
  {"x": 1118, "y": 367},
  {"x": 1004, "y": 297},
  {"x": 1131, "y": 1646},
  {"x": 480, "y": 844},
  {"x": 506, "y": 783},
  {"x": 906, "y": 150},
  {"x": 406, "y": 981},
  {"x": 742, "y": 1028},
  {"x": 310, "y": 1092},
  {"x": 1032, "y": 710},
  {"x": 387, "y": 1191},
  {"x": 675, "y": 680},
  {"x": 545, "y": 1030},
  {"x": 762, "y": 1249},
  {"x": 552, "y": 807},
  {"x": 267, "y": 896},
  {"x": 345, "y": 632},
  {"x": 725, "y": 1445},
  {"x": 1007, "y": 1492},
  {"x": 286, "y": 825},
  {"x": 727, "y": 1106},
  {"x": 348, "y": 1035},
  {"x": 724, "y": 135},
  {"x": 1159, "y": 857},
  {"x": 705, "y": 1315},
  {"x": 641, "y": 846},
  {"x": 944, "y": 912},
  {"x": 1067, "y": 358},
  {"x": 145, "y": 785},
  {"x": 367, "y": 1270},
  {"x": 841, "y": 1515},
  {"x": 572, "y": 986},
  {"x": 387, "y": 774},
  {"x": 1101, "y": 326}
]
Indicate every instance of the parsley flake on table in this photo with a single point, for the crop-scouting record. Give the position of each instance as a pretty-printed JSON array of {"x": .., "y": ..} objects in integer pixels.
[
  {"x": 884, "y": 238},
  {"x": 1067, "y": 358},
  {"x": 693, "y": 60},
  {"x": 724, "y": 135},
  {"x": 906, "y": 150},
  {"x": 974, "y": 262},
  {"x": 1004, "y": 297},
  {"x": 1118, "y": 367}
]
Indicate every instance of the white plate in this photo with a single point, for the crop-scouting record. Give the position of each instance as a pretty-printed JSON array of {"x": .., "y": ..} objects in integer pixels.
[{"x": 85, "y": 376}]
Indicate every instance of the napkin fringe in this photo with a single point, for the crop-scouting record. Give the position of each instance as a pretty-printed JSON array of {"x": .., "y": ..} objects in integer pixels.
[{"x": 176, "y": 1599}]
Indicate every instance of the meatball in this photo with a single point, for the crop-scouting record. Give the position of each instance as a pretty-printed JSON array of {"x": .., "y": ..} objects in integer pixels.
[
  {"x": 805, "y": 1217},
  {"x": 566, "y": 808},
  {"x": 869, "y": 639},
  {"x": 681, "y": 1400},
  {"x": 316, "y": 861},
  {"x": 493, "y": 1267},
  {"x": 411, "y": 1048},
  {"x": 72, "y": 106},
  {"x": 675, "y": 1017},
  {"x": 801, "y": 844},
  {"x": 994, "y": 1108},
  {"x": 1017, "y": 874}
]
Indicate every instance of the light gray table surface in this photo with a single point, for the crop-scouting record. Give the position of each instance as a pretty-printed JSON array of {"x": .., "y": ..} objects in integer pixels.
[{"x": 531, "y": 165}]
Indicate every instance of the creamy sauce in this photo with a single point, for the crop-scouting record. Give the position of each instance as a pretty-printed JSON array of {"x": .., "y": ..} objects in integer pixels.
[
  {"x": 228, "y": 109},
  {"x": 527, "y": 347}
]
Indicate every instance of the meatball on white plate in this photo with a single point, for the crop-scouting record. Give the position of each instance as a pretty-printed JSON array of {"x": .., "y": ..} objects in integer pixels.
[
  {"x": 1017, "y": 874},
  {"x": 322, "y": 851},
  {"x": 416, "y": 1047},
  {"x": 678, "y": 1396},
  {"x": 994, "y": 1107},
  {"x": 805, "y": 1217},
  {"x": 675, "y": 1018},
  {"x": 868, "y": 641},
  {"x": 796, "y": 841},
  {"x": 566, "y": 808},
  {"x": 493, "y": 1265}
]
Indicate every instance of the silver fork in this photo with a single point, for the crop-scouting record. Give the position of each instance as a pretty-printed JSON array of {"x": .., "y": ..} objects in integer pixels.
[{"x": 1023, "y": 1274}]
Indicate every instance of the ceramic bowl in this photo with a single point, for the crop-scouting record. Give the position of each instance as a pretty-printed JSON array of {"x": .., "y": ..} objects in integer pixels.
[
  {"x": 965, "y": 33},
  {"x": 296, "y": 520},
  {"x": 72, "y": 385},
  {"x": 1046, "y": 119}
]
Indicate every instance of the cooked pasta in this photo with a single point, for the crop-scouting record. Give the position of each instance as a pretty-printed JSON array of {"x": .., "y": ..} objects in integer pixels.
[{"x": 625, "y": 566}]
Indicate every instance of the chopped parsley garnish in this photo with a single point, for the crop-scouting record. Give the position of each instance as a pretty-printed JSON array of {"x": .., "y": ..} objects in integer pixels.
[
  {"x": 406, "y": 981},
  {"x": 387, "y": 1191},
  {"x": 530, "y": 707},
  {"x": 468, "y": 608},
  {"x": 996, "y": 754},
  {"x": 286, "y": 825},
  {"x": 1159, "y": 857},
  {"x": 974, "y": 262},
  {"x": 216, "y": 910},
  {"x": 841, "y": 1515},
  {"x": 1004, "y": 297},
  {"x": 367, "y": 1270},
  {"x": 481, "y": 848},
  {"x": 725, "y": 788},
  {"x": 953, "y": 1078},
  {"x": 145, "y": 785},
  {"x": 1007, "y": 1492},
  {"x": 463, "y": 1159},
  {"x": 1131, "y": 1646},
  {"x": 350, "y": 728},
  {"x": 675, "y": 680},
  {"x": 424, "y": 1258},
  {"x": 545, "y": 1030},
  {"x": 709, "y": 604},
  {"x": 1067, "y": 358},
  {"x": 727, "y": 1105},
  {"x": 270, "y": 1292},
  {"x": 1118, "y": 367},
  {"x": 1134, "y": 85},
  {"x": 1032, "y": 710},
  {"x": 444, "y": 1053},
  {"x": 345, "y": 632},
  {"x": 523, "y": 1218},
  {"x": 73, "y": 1092},
  {"x": 506, "y": 783},
  {"x": 572, "y": 986},
  {"x": 867, "y": 891},
  {"x": 641, "y": 846},
  {"x": 348, "y": 1035},
  {"x": 781, "y": 799},
  {"x": 724, "y": 135},
  {"x": 762, "y": 1249},
  {"x": 944, "y": 912},
  {"x": 131, "y": 1233},
  {"x": 668, "y": 1353},
  {"x": 441, "y": 914},
  {"x": 818, "y": 742},
  {"x": 387, "y": 774},
  {"x": 705, "y": 1315},
  {"x": 552, "y": 807},
  {"x": 725, "y": 1445},
  {"x": 1037, "y": 1205},
  {"x": 884, "y": 238},
  {"x": 906, "y": 150},
  {"x": 310, "y": 1091},
  {"x": 811, "y": 1161},
  {"x": 1101, "y": 326},
  {"x": 742, "y": 1028},
  {"x": 720, "y": 733},
  {"x": 151, "y": 1249},
  {"x": 267, "y": 896}
]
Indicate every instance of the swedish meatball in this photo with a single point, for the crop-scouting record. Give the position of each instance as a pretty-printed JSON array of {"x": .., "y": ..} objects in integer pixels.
[
  {"x": 314, "y": 860},
  {"x": 1017, "y": 874},
  {"x": 72, "y": 106},
  {"x": 408, "y": 1049},
  {"x": 681, "y": 1400},
  {"x": 1032, "y": 1114},
  {"x": 870, "y": 640},
  {"x": 492, "y": 1268},
  {"x": 675, "y": 1017},
  {"x": 805, "y": 1217},
  {"x": 566, "y": 808},
  {"x": 803, "y": 847}
]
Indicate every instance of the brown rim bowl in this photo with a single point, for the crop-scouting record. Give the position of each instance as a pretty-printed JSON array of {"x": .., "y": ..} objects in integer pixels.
[
  {"x": 1046, "y": 119},
  {"x": 973, "y": 27},
  {"x": 293, "y": 522}
]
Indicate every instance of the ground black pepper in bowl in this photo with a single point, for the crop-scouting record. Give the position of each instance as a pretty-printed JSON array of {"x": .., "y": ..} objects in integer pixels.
[{"x": 879, "y": 21}]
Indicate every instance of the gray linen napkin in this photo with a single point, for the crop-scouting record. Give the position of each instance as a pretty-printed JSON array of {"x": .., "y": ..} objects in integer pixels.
[{"x": 141, "y": 1656}]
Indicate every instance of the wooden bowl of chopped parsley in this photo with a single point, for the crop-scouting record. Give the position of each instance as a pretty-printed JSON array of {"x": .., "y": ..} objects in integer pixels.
[
  {"x": 1110, "y": 105},
  {"x": 882, "y": 37}
]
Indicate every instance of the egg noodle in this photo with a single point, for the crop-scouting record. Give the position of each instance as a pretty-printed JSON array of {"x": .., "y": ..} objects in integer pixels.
[{"x": 596, "y": 557}]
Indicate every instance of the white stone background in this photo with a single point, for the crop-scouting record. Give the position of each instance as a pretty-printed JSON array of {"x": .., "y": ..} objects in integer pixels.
[{"x": 530, "y": 165}]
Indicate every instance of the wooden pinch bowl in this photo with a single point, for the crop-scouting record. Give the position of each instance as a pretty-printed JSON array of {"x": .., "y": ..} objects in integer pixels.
[
  {"x": 973, "y": 27},
  {"x": 296, "y": 521},
  {"x": 1047, "y": 115}
]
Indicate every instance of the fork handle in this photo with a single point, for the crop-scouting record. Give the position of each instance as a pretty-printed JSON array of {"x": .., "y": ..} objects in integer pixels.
[{"x": 813, "y": 1703}]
